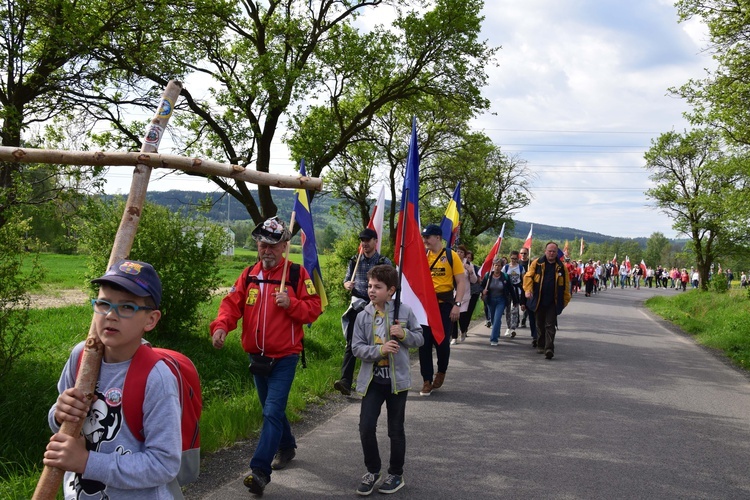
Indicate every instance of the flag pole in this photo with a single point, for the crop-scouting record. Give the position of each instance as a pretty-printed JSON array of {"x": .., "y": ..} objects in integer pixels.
[
  {"x": 282, "y": 286},
  {"x": 397, "y": 300},
  {"x": 356, "y": 265}
]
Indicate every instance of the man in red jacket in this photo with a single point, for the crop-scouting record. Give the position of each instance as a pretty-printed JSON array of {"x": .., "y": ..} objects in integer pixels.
[{"x": 273, "y": 317}]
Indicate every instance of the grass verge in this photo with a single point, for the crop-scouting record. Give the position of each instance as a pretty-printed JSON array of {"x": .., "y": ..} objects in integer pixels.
[{"x": 717, "y": 320}]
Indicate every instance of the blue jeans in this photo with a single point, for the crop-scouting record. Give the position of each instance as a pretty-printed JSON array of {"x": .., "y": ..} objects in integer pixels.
[
  {"x": 496, "y": 307},
  {"x": 275, "y": 433}
]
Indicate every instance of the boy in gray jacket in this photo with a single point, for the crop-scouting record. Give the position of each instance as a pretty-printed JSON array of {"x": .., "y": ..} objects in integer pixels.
[{"x": 383, "y": 346}]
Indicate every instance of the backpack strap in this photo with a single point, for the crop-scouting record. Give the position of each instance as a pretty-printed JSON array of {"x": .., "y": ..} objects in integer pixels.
[
  {"x": 292, "y": 278},
  {"x": 437, "y": 258},
  {"x": 134, "y": 389}
]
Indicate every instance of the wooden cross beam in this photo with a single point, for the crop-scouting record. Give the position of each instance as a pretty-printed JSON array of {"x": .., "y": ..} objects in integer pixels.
[{"x": 155, "y": 160}]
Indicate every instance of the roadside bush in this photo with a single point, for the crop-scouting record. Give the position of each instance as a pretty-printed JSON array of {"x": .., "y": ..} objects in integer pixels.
[
  {"x": 718, "y": 284},
  {"x": 334, "y": 273},
  {"x": 15, "y": 281},
  {"x": 184, "y": 251}
]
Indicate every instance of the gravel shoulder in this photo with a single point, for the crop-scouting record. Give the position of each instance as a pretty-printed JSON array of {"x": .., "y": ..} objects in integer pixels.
[{"x": 58, "y": 298}]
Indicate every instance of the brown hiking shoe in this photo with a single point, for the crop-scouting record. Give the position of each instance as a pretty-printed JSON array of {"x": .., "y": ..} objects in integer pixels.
[
  {"x": 439, "y": 379},
  {"x": 426, "y": 388}
]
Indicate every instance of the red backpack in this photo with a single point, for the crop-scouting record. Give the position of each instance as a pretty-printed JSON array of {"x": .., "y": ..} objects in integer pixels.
[{"x": 191, "y": 402}]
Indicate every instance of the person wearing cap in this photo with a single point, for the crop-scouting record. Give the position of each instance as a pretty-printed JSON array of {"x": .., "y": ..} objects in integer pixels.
[
  {"x": 273, "y": 316},
  {"x": 446, "y": 270},
  {"x": 126, "y": 307},
  {"x": 356, "y": 283}
]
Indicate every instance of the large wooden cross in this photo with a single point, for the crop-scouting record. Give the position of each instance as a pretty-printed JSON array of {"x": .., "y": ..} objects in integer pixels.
[{"x": 144, "y": 162}]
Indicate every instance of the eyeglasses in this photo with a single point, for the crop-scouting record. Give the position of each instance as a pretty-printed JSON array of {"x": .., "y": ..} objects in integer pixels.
[{"x": 122, "y": 310}]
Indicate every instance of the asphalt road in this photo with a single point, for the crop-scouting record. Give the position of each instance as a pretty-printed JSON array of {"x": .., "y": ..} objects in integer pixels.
[{"x": 628, "y": 408}]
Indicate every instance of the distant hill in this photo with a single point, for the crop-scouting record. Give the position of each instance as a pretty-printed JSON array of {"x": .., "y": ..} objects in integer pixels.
[
  {"x": 554, "y": 233},
  {"x": 181, "y": 200}
]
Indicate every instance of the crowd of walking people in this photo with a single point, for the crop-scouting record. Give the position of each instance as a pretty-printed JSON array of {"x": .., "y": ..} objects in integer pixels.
[{"x": 275, "y": 297}]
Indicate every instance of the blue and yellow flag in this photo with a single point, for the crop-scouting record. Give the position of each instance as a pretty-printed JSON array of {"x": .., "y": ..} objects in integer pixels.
[
  {"x": 309, "y": 250},
  {"x": 451, "y": 220}
]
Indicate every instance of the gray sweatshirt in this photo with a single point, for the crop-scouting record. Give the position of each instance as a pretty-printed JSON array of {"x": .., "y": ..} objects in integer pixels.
[
  {"x": 120, "y": 466},
  {"x": 365, "y": 348}
]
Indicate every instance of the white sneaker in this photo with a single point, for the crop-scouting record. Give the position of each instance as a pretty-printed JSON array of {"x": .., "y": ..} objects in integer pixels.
[
  {"x": 453, "y": 341},
  {"x": 507, "y": 333},
  {"x": 493, "y": 343}
]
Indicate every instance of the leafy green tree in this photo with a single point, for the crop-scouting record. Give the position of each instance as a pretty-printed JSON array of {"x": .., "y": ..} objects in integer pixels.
[
  {"x": 703, "y": 191},
  {"x": 327, "y": 239},
  {"x": 57, "y": 58},
  {"x": 494, "y": 185},
  {"x": 184, "y": 251},
  {"x": 657, "y": 250},
  {"x": 275, "y": 57},
  {"x": 721, "y": 97}
]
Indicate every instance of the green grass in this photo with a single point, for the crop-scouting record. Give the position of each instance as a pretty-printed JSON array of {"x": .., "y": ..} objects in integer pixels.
[
  {"x": 62, "y": 272},
  {"x": 231, "y": 409},
  {"x": 717, "y": 320}
]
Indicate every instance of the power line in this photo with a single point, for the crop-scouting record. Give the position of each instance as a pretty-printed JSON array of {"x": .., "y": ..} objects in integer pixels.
[
  {"x": 576, "y": 145},
  {"x": 555, "y": 151},
  {"x": 547, "y": 131}
]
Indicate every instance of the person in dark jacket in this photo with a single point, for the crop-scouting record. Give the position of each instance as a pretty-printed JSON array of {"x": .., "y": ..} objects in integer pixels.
[{"x": 547, "y": 289}]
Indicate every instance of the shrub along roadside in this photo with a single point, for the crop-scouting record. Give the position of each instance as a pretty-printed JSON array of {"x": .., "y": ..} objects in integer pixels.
[
  {"x": 716, "y": 320},
  {"x": 231, "y": 411}
]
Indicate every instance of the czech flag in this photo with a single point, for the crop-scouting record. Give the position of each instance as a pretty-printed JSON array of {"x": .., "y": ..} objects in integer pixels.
[{"x": 417, "y": 290}]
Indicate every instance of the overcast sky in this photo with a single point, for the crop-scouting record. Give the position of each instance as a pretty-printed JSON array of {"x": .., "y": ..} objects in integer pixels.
[{"x": 579, "y": 92}]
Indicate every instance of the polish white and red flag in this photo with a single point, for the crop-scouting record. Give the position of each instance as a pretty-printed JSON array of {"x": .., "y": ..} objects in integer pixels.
[
  {"x": 487, "y": 266},
  {"x": 527, "y": 243},
  {"x": 376, "y": 219}
]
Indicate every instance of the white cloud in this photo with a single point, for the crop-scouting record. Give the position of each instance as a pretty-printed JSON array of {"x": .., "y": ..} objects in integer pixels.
[{"x": 580, "y": 90}]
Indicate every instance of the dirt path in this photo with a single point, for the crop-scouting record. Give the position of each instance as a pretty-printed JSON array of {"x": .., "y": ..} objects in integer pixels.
[
  {"x": 72, "y": 297},
  {"x": 59, "y": 298}
]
